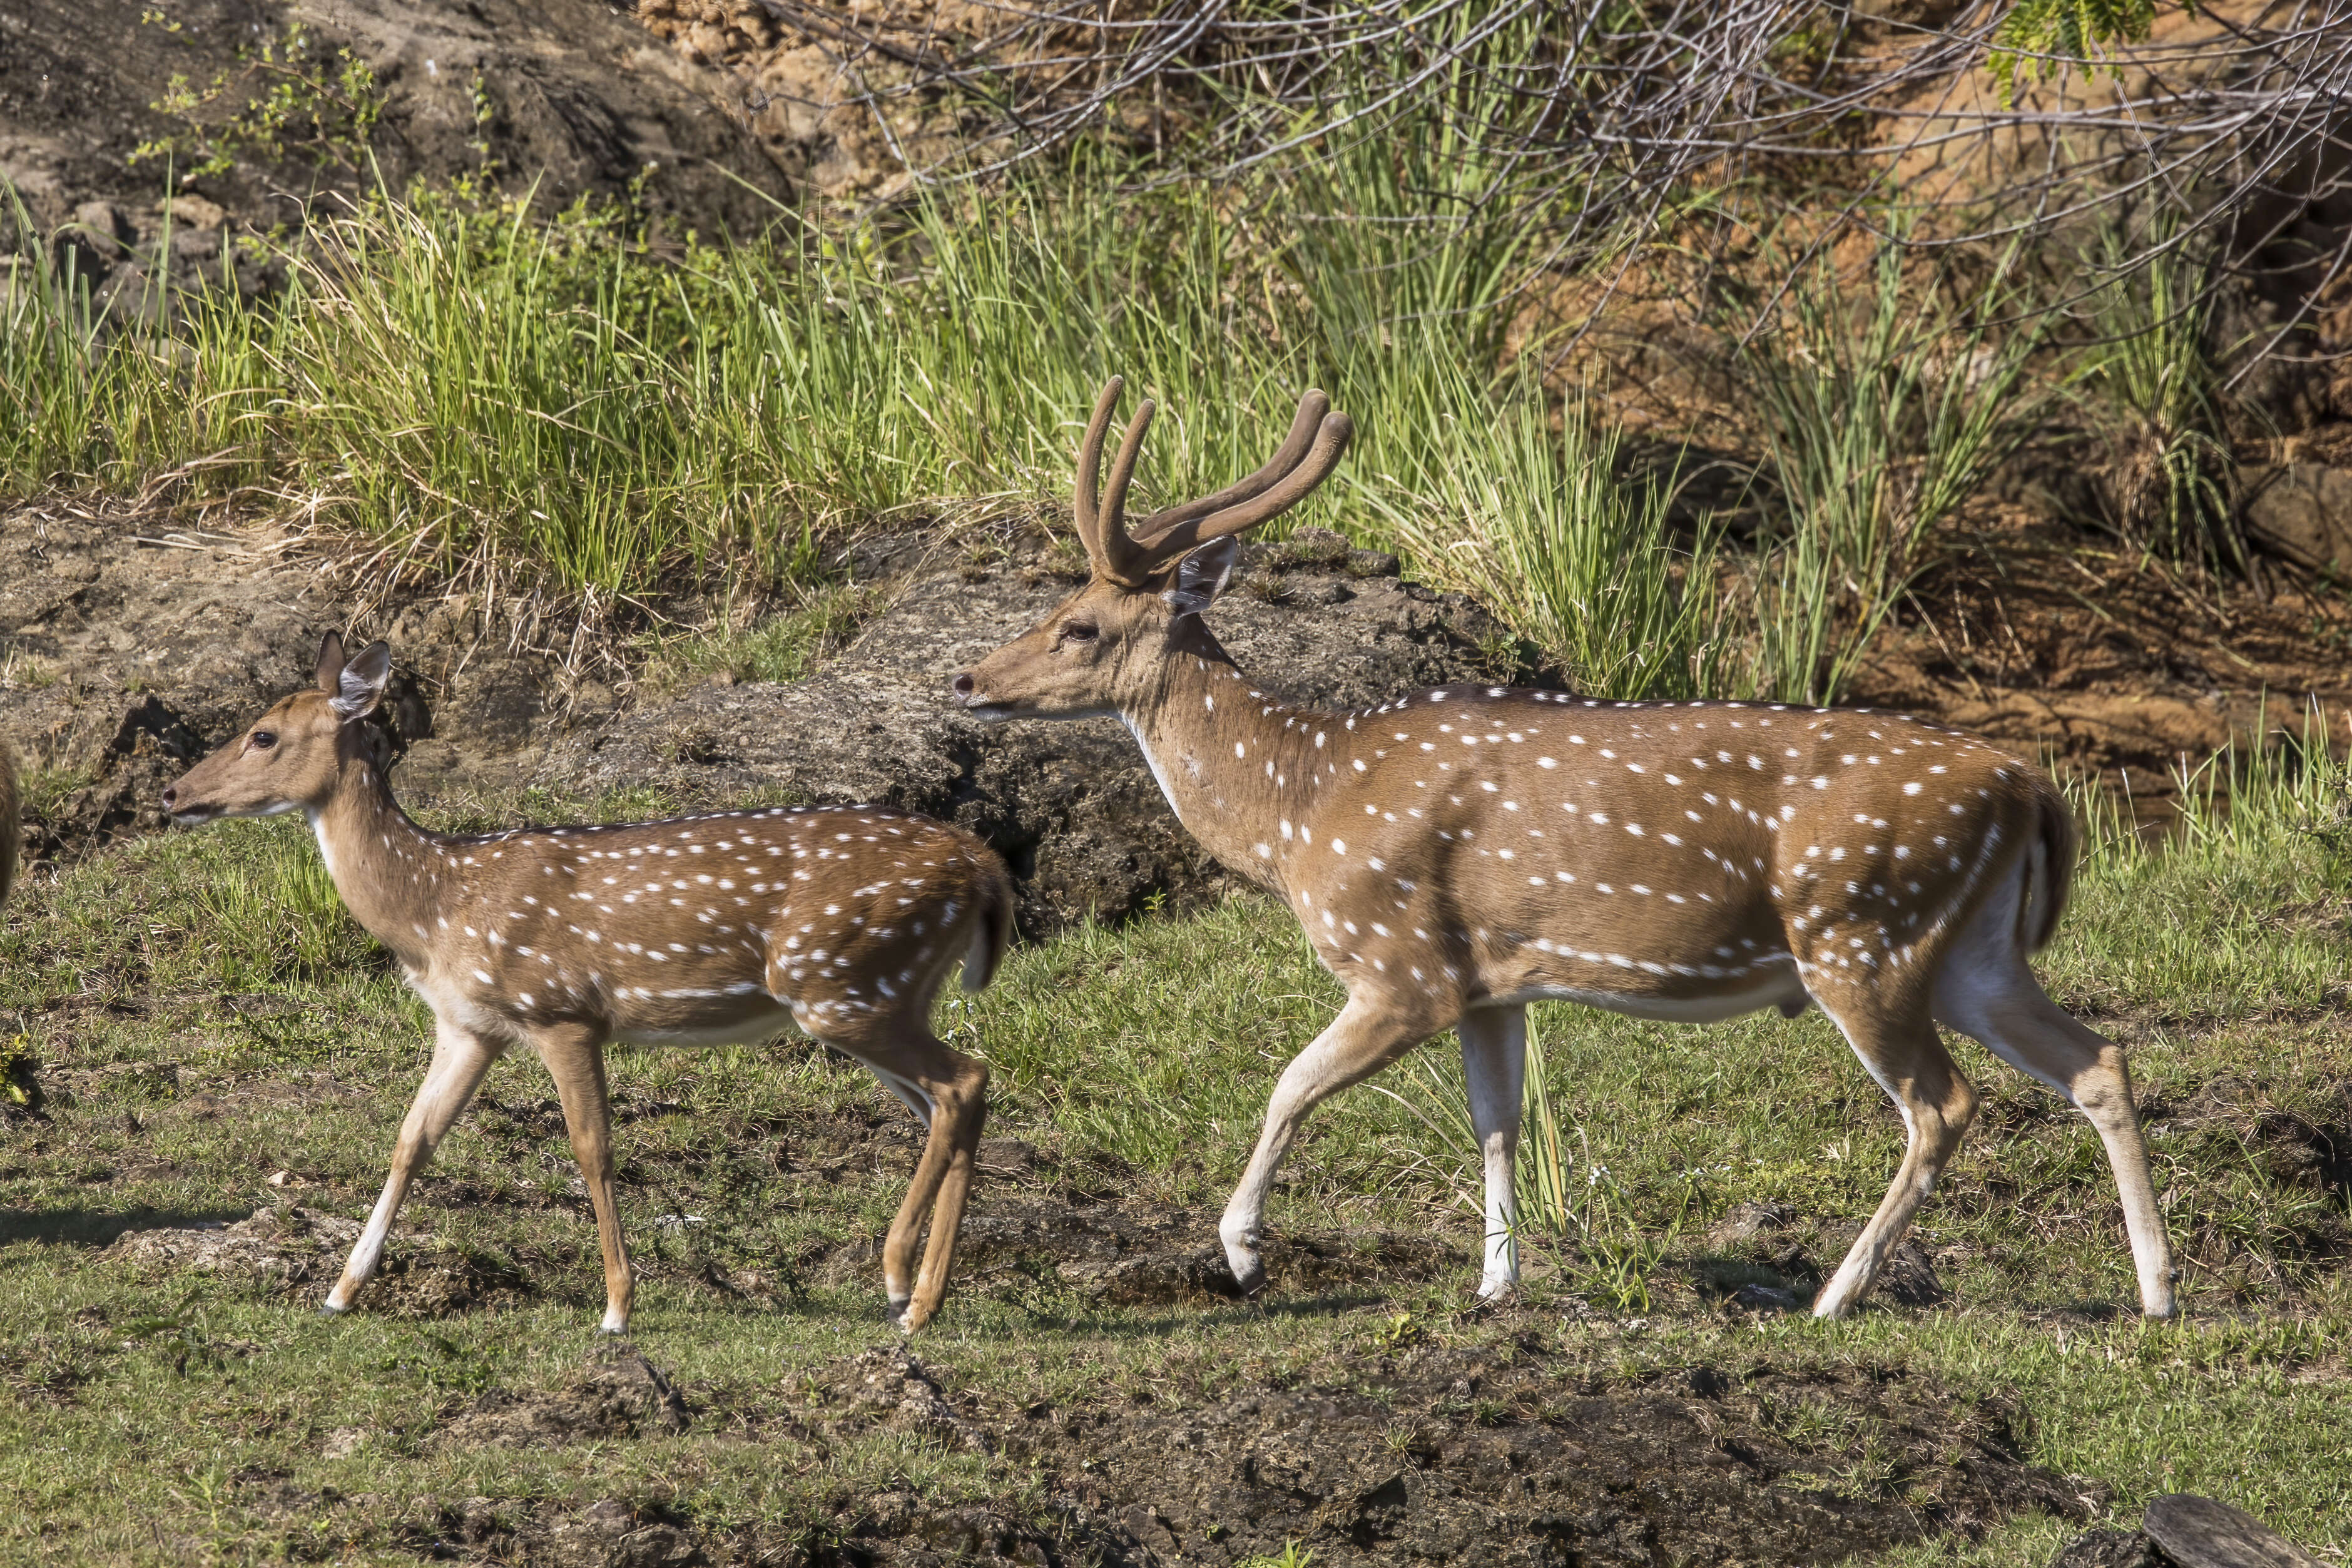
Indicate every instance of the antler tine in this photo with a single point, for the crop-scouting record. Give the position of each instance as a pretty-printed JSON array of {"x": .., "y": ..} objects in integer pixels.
[
  {"x": 1090, "y": 471},
  {"x": 1303, "y": 425},
  {"x": 1330, "y": 441},
  {"x": 1123, "y": 561}
]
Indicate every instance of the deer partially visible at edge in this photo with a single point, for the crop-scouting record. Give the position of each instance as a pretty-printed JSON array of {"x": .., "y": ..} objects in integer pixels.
[
  {"x": 1456, "y": 854},
  {"x": 698, "y": 931}
]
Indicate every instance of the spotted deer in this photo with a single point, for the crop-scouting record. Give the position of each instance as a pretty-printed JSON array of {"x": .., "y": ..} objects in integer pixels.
[
  {"x": 1456, "y": 854},
  {"x": 702, "y": 930}
]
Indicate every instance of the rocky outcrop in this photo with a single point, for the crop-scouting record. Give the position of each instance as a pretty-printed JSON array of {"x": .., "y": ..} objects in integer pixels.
[
  {"x": 1071, "y": 807},
  {"x": 131, "y": 653}
]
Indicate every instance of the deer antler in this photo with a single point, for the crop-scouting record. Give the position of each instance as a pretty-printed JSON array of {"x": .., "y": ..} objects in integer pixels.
[{"x": 1308, "y": 455}]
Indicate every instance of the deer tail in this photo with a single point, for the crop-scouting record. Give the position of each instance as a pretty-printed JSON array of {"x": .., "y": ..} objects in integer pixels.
[
  {"x": 991, "y": 934},
  {"x": 2049, "y": 869}
]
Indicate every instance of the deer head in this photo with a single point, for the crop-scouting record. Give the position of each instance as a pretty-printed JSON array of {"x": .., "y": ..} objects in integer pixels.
[
  {"x": 293, "y": 757},
  {"x": 1103, "y": 648}
]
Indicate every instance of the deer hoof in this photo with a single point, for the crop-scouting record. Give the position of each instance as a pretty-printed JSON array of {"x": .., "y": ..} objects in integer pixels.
[
  {"x": 329, "y": 1310},
  {"x": 1249, "y": 1272}
]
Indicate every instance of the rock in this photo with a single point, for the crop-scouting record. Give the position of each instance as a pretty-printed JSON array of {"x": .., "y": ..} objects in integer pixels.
[
  {"x": 1769, "y": 1299},
  {"x": 1071, "y": 806},
  {"x": 1748, "y": 1221},
  {"x": 579, "y": 100},
  {"x": 188, "y": 210},
  {"x": 2302, "y": 511},
  {"x": 106, "y": 225},
  {"x": 343, "y": 1442},
  {"x": 2199, "y": 1533}
]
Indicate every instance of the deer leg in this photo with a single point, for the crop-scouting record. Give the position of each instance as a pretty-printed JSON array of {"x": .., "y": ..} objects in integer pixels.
[
  {"x": 1910, "y": 1063},
  {"x": 962, "y": 1100},
  {"x": 575, "y": 1060},
  {"x": 1494, "y": 1067},
  {"x": 2004, "y": 1008},
  {"x": 1370, "y": 1032},
  {"x": 459, "y": 1061},
  {"x": 949, "y": 1091}
]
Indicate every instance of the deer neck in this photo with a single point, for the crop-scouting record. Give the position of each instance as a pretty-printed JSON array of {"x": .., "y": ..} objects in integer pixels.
[
  {"x": 1239, "y": 766},
  {"x": 392, "y": 875}
]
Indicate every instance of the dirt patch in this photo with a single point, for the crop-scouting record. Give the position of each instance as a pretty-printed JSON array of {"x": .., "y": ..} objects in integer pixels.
[
  {"x": 1457, "y": 1456},
  {"x": 620, "y": 1395},
  {"x": 285, "y": 1247},
  {"x": 2045, "y": 639},
  {"x": 299, "y": 1252},
  {"x": 1511, "y": 1452},
  {"x": 1049, "y": 1251}
]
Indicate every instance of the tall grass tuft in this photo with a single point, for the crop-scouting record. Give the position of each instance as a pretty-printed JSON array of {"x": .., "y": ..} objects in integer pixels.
[
  {"x": 1583, "y": 564},
  {"x": 58, "y": 378},
  {"x": 2165, "y": 482},
  {"x": 1879, "y": 418},
  {"x": 476, "y": 396}
]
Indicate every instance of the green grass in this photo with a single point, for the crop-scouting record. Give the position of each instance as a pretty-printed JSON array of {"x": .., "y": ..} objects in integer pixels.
[
  {"x": 203, "y": 1016},
  {"x": 474, "y": 396}
]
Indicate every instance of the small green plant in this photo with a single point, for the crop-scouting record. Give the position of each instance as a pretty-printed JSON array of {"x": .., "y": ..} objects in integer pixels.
[
  {"x": 2055, "y": 34},
  {"x": 786, "y": 647},
  {"x": 288, "y": 97},
  {"x": 1291, "y": 1556},
  {"x": 18, "y": 1085}
]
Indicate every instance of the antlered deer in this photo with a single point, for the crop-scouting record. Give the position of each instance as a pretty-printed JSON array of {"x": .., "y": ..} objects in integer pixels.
[
  {"x": 698, "y": 931},
  {"x": 1457, "y": 854}
]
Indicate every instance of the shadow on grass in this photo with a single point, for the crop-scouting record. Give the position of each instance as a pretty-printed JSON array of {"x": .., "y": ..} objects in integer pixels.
[{"x": 95, "y": 1228}]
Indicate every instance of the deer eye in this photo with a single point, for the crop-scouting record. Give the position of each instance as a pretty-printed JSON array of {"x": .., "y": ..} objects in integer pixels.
[
  {"x": 261, "y": 740},
  {"x": 1079, "y": 631}
]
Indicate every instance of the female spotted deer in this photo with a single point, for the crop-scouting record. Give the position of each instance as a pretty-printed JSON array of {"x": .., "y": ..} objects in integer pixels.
[
  {"x": 698, "y": 931},
  {"x": 1457, "y": 854}
]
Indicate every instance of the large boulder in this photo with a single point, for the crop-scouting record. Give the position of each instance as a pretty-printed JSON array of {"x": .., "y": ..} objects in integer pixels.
[
  {"x": 1071, "y": 807},
  {"x": 2302, "y": 511},
  {"x": 562, "y": 97}
]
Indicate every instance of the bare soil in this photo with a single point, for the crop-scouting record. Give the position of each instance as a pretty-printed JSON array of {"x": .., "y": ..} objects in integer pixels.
[
  {"x": 1417, "y": 1448},
  {"x": 2057, "y": 642}
]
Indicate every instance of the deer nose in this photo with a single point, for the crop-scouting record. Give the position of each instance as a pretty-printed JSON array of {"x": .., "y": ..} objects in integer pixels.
[{"x": 963, "y": 687}]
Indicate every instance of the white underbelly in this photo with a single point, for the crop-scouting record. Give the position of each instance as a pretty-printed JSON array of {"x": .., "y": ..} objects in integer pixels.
[
  {"x": 1776, "y": 990},
  {"x": 752, "y": 1028}
]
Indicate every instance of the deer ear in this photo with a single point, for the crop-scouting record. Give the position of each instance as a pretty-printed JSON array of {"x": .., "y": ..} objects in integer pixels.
[
  {"x": 359, "y": 686},
  {"x": 331, "y": 662},
  {"x": 1200, "y": 576}
]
